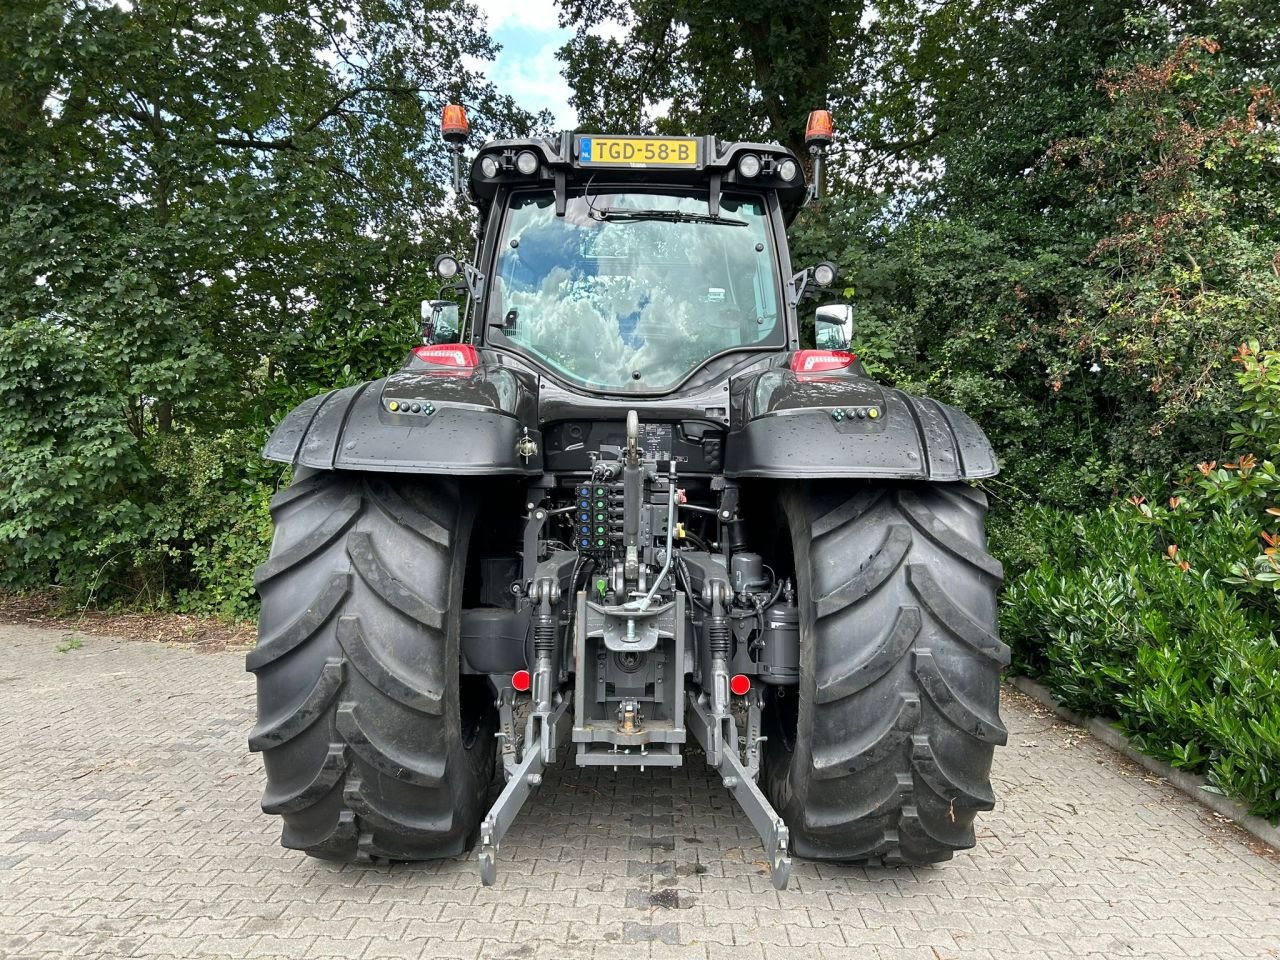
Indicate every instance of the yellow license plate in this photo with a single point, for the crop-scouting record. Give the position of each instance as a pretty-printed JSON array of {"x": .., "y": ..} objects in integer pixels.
[{"x": 638, "y": 151}]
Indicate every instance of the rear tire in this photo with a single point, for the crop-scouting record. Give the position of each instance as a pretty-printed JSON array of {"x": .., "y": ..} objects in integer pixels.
[
  {"x": 373, "y": 746},
  {"x": 883, "y": 753}
]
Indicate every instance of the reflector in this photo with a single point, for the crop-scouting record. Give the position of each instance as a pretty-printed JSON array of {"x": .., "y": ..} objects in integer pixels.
[
  {"x": 521, "y": 681},
  {"x": 739, "y": 685}
]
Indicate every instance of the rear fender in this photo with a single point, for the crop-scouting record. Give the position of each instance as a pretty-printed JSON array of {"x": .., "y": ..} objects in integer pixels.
[
  {"x": 464, "y": 424},
  {"x": 790, "y": 425}
]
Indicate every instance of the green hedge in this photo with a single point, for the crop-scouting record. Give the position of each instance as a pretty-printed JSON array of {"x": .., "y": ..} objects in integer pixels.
[{"x": 1164, "y": 614}]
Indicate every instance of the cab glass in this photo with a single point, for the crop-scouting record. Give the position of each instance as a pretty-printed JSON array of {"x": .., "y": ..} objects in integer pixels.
[{"x": 634, "y": 291}]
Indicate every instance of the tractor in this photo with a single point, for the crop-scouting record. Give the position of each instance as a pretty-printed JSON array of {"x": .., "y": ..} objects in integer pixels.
[{"x": 610, "y": 507}]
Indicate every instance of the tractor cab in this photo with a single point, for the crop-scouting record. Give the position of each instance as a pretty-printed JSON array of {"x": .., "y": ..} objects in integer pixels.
[{"x": 628, "y": 265}]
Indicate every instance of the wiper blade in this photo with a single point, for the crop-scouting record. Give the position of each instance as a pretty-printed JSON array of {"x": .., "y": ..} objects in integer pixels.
[{"x": 667, "y": 216}]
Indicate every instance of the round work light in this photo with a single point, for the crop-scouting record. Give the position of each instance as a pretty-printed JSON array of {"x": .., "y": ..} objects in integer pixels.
[
  {"x": 527, "y": 162},
  {"x": 446, "y": 266}
]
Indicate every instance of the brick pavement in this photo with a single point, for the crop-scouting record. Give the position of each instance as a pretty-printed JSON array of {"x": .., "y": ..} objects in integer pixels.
[{"x": 129, "y": 828}]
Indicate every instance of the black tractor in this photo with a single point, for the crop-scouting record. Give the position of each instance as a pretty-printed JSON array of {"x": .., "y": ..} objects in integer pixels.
[{"x": 610, "y": 503}]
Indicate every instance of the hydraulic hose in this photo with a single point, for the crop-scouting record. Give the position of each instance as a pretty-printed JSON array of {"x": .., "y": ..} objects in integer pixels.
[{"x": 643, "y": 604}]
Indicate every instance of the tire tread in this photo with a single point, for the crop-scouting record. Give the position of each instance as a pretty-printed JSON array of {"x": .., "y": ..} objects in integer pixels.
[{"x": 899, "y": 701}]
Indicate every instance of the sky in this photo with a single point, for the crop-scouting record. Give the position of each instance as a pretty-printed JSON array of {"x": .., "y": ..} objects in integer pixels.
[{"x": 526, "y": 67}]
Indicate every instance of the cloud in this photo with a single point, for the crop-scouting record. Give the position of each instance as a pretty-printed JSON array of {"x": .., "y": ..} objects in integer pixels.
[
  {"x": 536, "y": 15},
  {"x": 609, "y": 30},
  {"x": 526, "y": 66},
  {"x": 533, "y": 78}
]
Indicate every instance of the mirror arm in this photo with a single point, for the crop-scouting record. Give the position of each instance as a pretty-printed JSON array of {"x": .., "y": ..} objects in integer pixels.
[
  {"x": 800, "y": 286},
  {"x": 474, "y": 280}
]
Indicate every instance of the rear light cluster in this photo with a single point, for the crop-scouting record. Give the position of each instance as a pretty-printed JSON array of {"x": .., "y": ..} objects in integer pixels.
[
  {"x": 820, "y": 361},
  {"x": 461, "y": 355}
]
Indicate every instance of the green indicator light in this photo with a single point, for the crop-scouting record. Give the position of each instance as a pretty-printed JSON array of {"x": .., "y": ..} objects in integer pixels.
[
  {"x": 599, "y": 529},
  {"x": 599, "y": 516},
  {"x": 599, "y": 543},
  {"x": 599, "y": 504},
  {"x": 599, "y": 491}
]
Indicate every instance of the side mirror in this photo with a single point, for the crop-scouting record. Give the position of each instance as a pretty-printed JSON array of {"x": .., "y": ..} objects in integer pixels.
[
  {"x": 440, "y": 322},
  {"x": 834, "y": 326}
]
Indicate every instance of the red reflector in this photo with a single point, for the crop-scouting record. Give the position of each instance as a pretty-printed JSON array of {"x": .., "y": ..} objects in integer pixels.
[
  {"x": 448, "y": 354},
  {"x": 820, "y": 129},
  {"x": 740, "y": 684},
  {"x": 818, "y": 361},
  {"x": 453, "y": 123},
  {"x": 521, "y": 681}
]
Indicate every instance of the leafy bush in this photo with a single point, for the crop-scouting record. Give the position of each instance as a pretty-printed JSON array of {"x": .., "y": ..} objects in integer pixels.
[
  {"x": 1164, "y": 614},
  {"x": 67, "y": 460},
  {"x": 210, "y": 525}
]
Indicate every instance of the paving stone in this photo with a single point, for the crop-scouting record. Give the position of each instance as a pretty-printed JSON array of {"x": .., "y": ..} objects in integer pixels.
[{"x": 135, "y": 832}]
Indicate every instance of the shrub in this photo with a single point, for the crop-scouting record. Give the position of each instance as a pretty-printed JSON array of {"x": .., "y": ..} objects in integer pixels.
[
  {"x": 1164, "y": 614},
  {"x": 210, "y": 524},
  {"x": 67, "y": 461}
]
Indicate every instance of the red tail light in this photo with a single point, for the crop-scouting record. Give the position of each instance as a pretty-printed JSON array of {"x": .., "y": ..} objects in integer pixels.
[
  {"x": 521, "y": 681},
  {"x": 820, "y": 361},
  {"x": 740, "y": 685},
  {"x": 462, "y": 355}
]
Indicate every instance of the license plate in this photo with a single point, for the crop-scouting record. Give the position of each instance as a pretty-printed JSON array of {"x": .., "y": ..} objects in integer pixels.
[{"x": 638, "y": 152}]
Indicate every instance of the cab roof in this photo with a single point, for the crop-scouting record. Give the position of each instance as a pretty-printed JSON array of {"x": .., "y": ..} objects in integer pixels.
[{"x": 572, "y": 159}]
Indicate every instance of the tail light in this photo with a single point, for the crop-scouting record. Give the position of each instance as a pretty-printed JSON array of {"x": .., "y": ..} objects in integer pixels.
[
  {"x": 820, "y": 361},
  {"x": 461, "y": 355}
]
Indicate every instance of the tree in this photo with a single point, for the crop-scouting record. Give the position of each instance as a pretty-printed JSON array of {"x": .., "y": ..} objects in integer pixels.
[
  {"x": 1102, "y": 230},
  {"x": 221, "y": 203}
]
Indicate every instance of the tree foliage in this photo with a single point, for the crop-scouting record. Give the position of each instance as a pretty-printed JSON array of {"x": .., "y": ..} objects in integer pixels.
[
  {"x": 753, "y": 70},
  {"x": 1087, "y": 228},
  {"x": 211, "y": 208}
]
